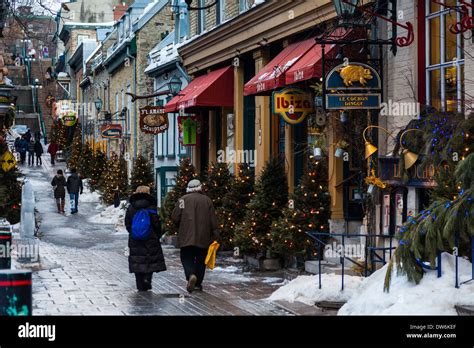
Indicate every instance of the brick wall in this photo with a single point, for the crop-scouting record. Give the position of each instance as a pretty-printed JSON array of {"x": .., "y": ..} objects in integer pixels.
[
  {"x": 231, "y": 10},
  {"x": 72, "y": 43}
]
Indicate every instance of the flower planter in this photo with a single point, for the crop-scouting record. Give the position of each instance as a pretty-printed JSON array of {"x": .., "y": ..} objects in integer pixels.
[
  {"x": 170, "y": 240},
  {"x": 263, "y": 264}
]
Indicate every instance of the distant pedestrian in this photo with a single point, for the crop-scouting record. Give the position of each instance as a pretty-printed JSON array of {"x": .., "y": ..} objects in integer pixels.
[
  {"x": 23, "y": 149},
  {"x": 53, "y": 150},
  {"x": 28, "y": 136},
  {"x": 59, "y": 184},
  {"x": 144, "y": 228},
  {"x": 31, "y": 152},
  {"x": 116, "y": 197},
  {"x": 74, "y": 187},
  {"x": 195, "y": 216},
  {"x": 38, "y": 152},
  {"x": 16, "y": 145}
]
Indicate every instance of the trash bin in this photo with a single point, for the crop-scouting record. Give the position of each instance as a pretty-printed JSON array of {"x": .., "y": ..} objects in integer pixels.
[{"x": 15, "y": 293}]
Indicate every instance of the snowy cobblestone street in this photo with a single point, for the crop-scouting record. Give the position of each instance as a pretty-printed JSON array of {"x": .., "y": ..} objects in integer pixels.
[{"x": 84, "y": 271}]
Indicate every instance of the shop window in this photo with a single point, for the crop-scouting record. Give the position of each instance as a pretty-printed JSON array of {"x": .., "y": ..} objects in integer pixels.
[{"x": 445, "y": 58}]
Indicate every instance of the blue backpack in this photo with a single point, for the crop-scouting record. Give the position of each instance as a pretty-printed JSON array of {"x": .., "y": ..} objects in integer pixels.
[{"x": 141, "y": 224}]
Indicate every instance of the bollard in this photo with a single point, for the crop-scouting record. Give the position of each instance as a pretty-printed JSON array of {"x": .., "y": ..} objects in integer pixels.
[
  {"x": 5, "y": 250},
  {"x": 15, "y": 293}
]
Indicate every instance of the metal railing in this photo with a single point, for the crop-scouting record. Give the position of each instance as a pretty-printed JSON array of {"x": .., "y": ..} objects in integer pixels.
[{"x": 372, "y": 253}]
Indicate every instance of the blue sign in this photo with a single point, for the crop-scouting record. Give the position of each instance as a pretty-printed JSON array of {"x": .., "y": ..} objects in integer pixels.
[
  {"x": 353, "y": 76},
  {"x": 353, "y": 101}
]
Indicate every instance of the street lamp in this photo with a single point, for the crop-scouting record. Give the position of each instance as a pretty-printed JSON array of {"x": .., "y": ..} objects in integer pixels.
[
  {"x": 174, "y": 85},
  {"x": 98, "y": 104}
]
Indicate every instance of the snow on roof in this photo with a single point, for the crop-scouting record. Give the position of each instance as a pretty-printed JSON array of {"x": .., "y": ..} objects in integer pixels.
[
  {"x": 94, "y": 52},
  {"x": 106, "y": 24}
]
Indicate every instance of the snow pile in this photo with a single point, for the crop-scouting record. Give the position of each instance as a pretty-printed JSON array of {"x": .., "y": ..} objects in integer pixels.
[
  {"x": 432, "y": 296},
  {"x": 229, "y": 269},
  {"x": 88, "y": 196},
  {"x": 306, "y": 289},
  {"x": 112, "y": 216}
]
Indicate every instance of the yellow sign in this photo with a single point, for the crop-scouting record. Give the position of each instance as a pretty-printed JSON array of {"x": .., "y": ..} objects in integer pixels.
[
  {"x": 8, "y": 161},
  {"x": 292, "y": 104}
]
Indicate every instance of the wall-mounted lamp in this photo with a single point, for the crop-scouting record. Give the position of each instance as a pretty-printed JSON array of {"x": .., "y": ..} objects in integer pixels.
[
  {"x": 409, "y": 157},
  {"x": 370, "y": 148}
]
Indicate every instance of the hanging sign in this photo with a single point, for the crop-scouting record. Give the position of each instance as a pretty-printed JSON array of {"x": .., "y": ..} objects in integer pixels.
[
  {"x": 353, "y": 86},
  {"x": 292, "y": 104},
  {"x": 68, "y": 117},
  {"x": 111, "y": 131},
  {"x": 189, "y": 130},
  {"x": 8, "y": 161},
  {"x": 153, "y": 120}
]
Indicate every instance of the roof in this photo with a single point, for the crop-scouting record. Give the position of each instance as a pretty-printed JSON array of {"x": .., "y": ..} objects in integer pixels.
[{"x": 150, "y": 10}]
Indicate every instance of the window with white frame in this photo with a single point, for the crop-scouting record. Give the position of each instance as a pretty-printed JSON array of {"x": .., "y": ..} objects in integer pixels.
[
  {"x": 220, "y": 11},
  {"x": 129, "y": 109},
  {"x": 201, "y": 22},
  {"x": 444, "y": 58}
]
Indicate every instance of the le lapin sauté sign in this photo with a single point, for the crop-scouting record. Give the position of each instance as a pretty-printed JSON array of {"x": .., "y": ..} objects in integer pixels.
[
  {"x": 353, "y": 86},
  {"x": 153, "y": 120},
  {"x": 292, "y": 104}
]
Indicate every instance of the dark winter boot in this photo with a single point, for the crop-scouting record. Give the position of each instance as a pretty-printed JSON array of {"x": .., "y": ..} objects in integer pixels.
[
  {"x": 191, "y": 283},
  {"x": 59, "y": 207},
  {"x": 62, "y": 207}
]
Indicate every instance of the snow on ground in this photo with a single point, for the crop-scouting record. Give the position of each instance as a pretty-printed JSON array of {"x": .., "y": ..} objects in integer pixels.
[
  {"x": 88, "y": 196},
  {"x": 112, "y": 216},
  {"x": 306, "y": 289},
  {"x": 432, "y": 296},
  {"x": 228, "y": 269}
]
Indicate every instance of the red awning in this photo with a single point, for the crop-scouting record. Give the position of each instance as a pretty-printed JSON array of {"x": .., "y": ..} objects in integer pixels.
[
  {"x": 310, "y": 65},
  {"x": 213, "y": 89},
  {"x": 273, "y": 74}
]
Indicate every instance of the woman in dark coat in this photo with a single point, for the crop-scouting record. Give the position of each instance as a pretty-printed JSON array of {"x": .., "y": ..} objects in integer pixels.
[
  {"x": 146, "y": 256},
  {"x": 38, "y": 152},
  {"x": 59, "y": 183}
]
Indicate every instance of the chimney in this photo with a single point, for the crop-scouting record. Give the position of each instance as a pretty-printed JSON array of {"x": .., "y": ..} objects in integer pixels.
[{"x": 119, "y": 11}]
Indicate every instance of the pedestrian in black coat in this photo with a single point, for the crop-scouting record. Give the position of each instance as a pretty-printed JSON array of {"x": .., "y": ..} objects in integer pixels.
[
  {"x": 146, "y": 256},
  {"x": 74, "y": 187},
  {"x": 38, "y": 151},
  {"x": 59, "y": 184}
]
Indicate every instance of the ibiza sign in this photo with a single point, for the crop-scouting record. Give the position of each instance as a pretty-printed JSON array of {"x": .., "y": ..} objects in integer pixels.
[{"x": 292, "y": 104}]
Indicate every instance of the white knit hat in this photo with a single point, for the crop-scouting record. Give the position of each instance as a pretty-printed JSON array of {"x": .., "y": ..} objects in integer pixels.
[{"x": 194, "y": 186}]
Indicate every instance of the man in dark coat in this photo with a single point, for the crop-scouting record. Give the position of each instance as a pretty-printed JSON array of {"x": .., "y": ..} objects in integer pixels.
[
  {"x": 59, "y": 184},
  {"x": 194, "y": 214},
  {"x": 74, "y": 187},
  {"x": 23, "y": 149},
  {"x": 31, "y": 153},
  {"x": 146, "y": 256},
  {"x": 38, "y": 151}
]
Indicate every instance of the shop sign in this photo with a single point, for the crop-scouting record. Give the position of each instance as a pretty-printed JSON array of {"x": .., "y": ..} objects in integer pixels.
[
  {"x": 353, "y": 86},
  {"x": 353, "y": 76},
  {"x": 68, "y": 117},
  {"x": 419, "y": 176},
  {"x": 153, "y": 120},
  {"x": 352, "y": 101},
  {"x": 111, "y": 131},
  {"x": 189, "y": 130},
  {"x": 292, "y": 104}
]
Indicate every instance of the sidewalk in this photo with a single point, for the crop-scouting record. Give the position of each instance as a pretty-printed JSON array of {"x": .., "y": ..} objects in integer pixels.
[{"x": 85, "y": 271}]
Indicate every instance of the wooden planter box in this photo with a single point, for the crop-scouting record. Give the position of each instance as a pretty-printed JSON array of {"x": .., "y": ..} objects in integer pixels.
[{"x": 263, "y": 264}]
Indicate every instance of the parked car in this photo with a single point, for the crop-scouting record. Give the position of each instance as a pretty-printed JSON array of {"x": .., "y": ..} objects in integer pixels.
[{"x": 20, "y": 128}]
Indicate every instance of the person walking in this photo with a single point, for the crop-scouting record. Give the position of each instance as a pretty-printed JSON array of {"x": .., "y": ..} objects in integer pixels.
[
  {"x": 53, "y": 150},
  {"x": 31, "y": 152},
  {"x": 59, "y": 184},
  {"x": 23, "y": 149},
  {"x": 28, "y": 136},
  {"x": 146, "y": 255},
  {"x": 38, "y": 151},
  {"x": 197, "y": 228},
  {"x": 74, "y": 187}
]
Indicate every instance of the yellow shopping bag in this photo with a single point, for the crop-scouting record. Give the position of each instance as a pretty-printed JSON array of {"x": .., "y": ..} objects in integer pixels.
[{"x": 211, "y": 255}]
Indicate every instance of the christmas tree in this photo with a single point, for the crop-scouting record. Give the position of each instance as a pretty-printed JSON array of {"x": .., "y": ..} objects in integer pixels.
[
  {"x": 142, "y": 173},
  {"x": 58, "y": 134},
  {"x": 99, "y": 161},
  {"x": 218, "y": 182},
  {"x": 447, "y": 142},
  {"x": 114, "y": 177},
  {"x": 76, "y": 150},
  {"x": 86, "y": 162},
  {"x": 308, "y": 210},
  {"x": 253, "y": 235},
  {"x": 186, "y": 172},
  {"x": 234, "y": 205}
]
